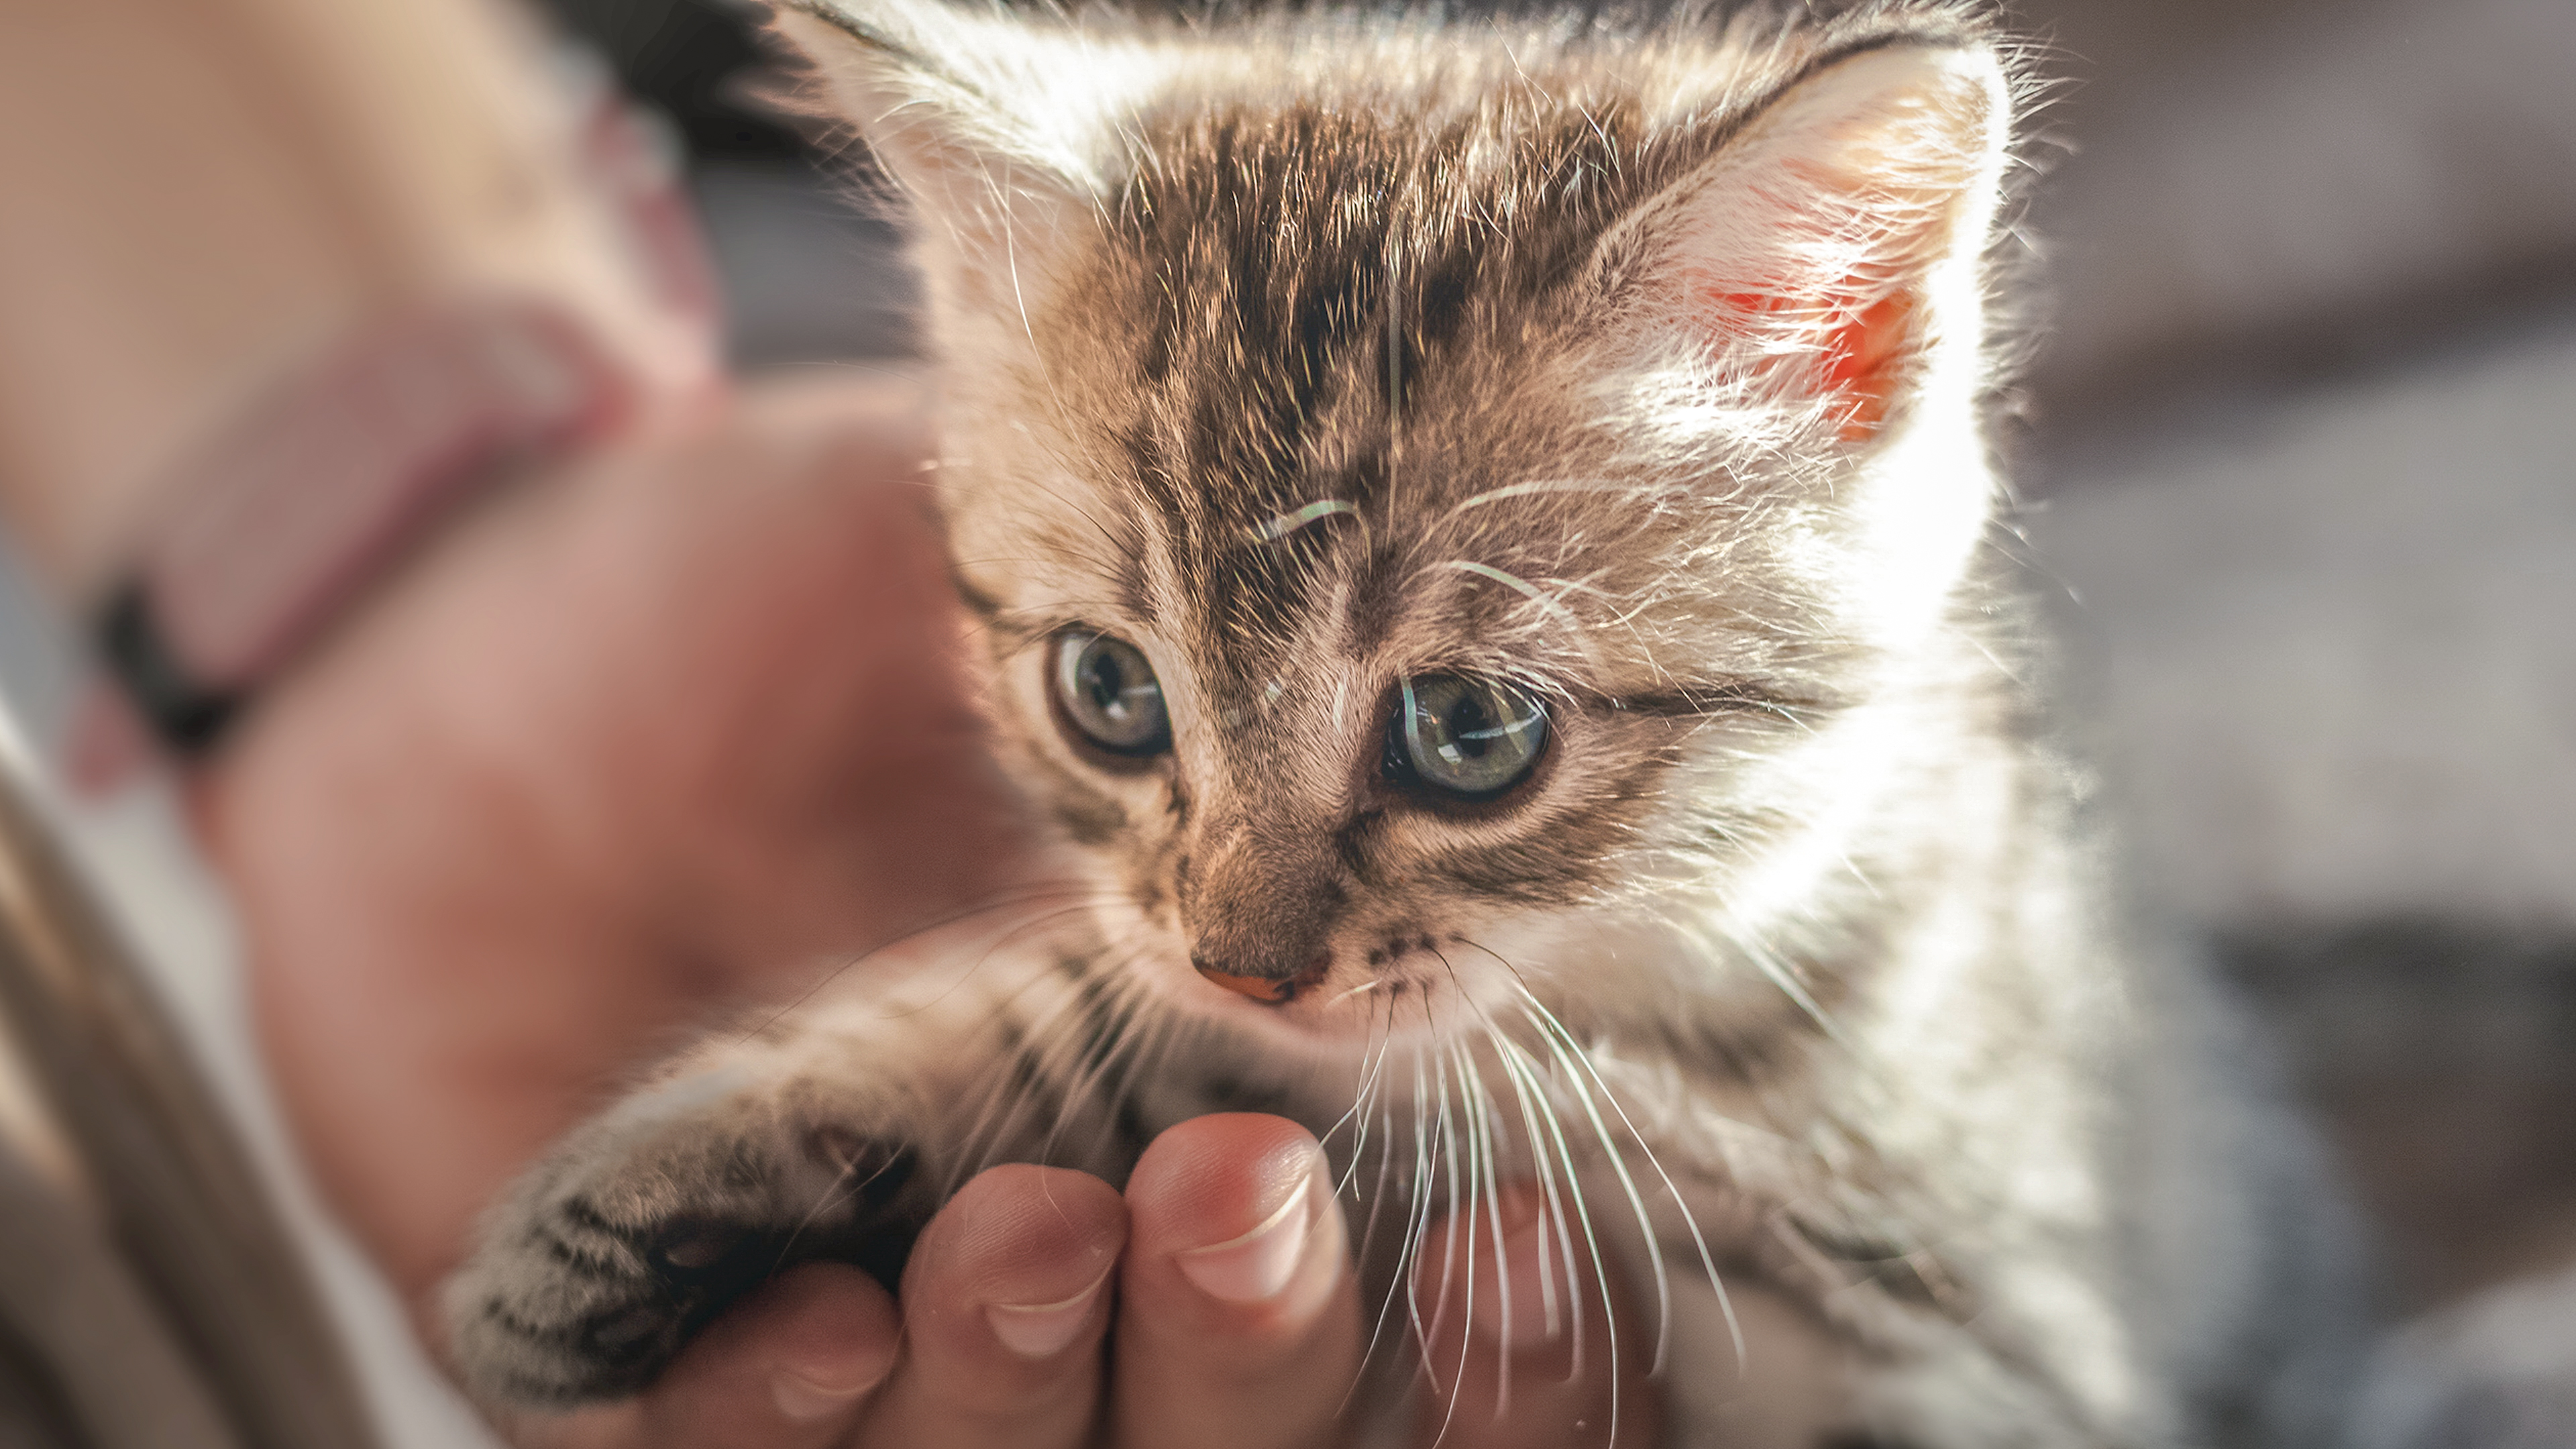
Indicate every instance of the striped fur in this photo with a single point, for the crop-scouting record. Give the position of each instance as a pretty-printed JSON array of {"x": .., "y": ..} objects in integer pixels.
[{"x": 1637, "y": 359}]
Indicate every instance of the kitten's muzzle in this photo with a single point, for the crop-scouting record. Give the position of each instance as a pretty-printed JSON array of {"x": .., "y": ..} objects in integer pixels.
[{"x": 1268, "y": 989}]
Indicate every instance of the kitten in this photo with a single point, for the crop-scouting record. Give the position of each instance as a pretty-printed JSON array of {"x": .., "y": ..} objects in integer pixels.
[{"x": 1483, "y": 532}]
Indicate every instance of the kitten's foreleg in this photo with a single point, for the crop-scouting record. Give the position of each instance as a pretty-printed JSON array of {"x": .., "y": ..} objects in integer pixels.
[{"x": 824, "y": 1134}]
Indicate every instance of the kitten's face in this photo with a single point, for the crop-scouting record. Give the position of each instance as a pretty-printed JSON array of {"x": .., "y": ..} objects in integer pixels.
[
  {"x": 1304, "y": 710},
  {"x": 1423, "y": 523}
]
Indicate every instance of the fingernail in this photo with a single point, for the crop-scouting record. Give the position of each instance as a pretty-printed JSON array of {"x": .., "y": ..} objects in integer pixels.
[
  {"x": 1041, "y": 1330},
  {"x": 1257, "y": 1265},
  {"x": 802, "y": 1400},
  {"x": 1522, "y": 1306}
]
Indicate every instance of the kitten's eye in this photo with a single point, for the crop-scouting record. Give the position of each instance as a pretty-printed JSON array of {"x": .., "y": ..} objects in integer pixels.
[
  {"x": 1473, "y": 738},
  {"x": 1110, "y": 693}
]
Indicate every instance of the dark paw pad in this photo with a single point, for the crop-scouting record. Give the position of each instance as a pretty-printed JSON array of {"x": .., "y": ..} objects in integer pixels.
[
  {"x": 696, "y": 1267},
  {"x": 691, "y": 1252},
  {"x": 626, "y": 1345}
]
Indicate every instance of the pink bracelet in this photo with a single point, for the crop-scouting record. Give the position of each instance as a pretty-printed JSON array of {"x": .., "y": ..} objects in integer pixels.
[{"x": 287, "y": 517}]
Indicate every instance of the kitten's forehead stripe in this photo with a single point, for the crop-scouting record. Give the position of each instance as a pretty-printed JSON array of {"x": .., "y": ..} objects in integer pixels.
[
  {"x": 1273, "y": 258},
  {"x": 1272, "y": 246}
]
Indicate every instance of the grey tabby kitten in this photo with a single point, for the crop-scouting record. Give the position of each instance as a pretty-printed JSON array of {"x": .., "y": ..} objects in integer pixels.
[{"x": 1483, "y": 532}]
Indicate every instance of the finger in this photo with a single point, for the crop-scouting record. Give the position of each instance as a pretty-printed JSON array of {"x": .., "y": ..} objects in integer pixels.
[
  {"x": 1238, "y": 1319},
  {"x": 788, "y": 1368},
  {"x": 1004, "y": 1303},
  {"x": 1522, "y": 1349}
]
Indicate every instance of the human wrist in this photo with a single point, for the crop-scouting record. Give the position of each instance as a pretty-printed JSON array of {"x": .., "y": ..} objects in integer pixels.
[{"x": 284, "y": 281}]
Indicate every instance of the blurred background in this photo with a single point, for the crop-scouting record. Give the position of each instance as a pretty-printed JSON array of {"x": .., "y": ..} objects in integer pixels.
[{"x": 2296, "y": 455}]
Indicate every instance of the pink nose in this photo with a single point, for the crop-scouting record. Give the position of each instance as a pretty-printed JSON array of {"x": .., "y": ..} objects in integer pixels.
[
  {"x": 1269, "y": 990},
  {"x": 1260, "y": 988}
]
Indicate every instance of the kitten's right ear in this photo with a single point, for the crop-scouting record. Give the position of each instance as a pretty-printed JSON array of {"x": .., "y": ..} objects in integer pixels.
[
  {"x": 1831, "y": 252},
  {"x": 989, "y": 123}
]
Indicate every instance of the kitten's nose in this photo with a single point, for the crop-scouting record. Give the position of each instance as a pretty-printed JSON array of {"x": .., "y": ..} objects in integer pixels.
[{"x": 1270, "y": 990}]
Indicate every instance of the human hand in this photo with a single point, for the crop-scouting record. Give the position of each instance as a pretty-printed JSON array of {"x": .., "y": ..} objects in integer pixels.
[
  {"x": 1221, "y": 1334},
  {"x": 678, "y": 730},
  {"x": 673, "y": 732}
]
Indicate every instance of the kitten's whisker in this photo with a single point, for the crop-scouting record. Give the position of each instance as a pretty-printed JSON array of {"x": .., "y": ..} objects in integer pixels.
[
  {"x": 1385, "y": 1122},
  {"x": 1454, "y": 1224},
  {"x": 1526, "y": 1090},
  {"x": 1495, "y": 1034},
  {"x": 1372, "y": 1060},
  {"x": 1417, "y": 1219},
  {"x": 1281, "y": 526},
  {"x": 1699, "y": 1239},
  {"x": 1555, "y": 608},
  {"x": 1579, "y": 1068},
  {"x": 1368, "y": 1236},
  {"x": 959, "y": 917},
  {"x": 1168, "y": 1031},
  {"x": 1075, "y": 1062},
  {"x": 1528, "y": 1068},
  {"x": 1539, "y": 486},
  {"x": 1773, "y": 969},
  {"x": 1451, "y": 1180},
  {"x": 1001, "y": 1098},
  {"x": 997, "y": 945},
  {"x": 1370, "y": 1106},
  {"x": 1031, "y": 1061},
  {"x": 1781, "y": 976},
  {"x": 1001, "y": 192},
  {"x": 1600, "y": 1267},
  {"x": 1110, "y": 1017},
  {"x": 1463, "y": 1224},
  {"x": 1655, "y": 1256},
  {"x": 1369, "y": 985},
  {"x": 839, "y": 1190},
  {"x": 1483, "y": 1103}
]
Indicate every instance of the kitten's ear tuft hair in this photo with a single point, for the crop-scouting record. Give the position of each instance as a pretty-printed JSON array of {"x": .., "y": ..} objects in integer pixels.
[
  {"x": 1833, "y": 246},
  {"x": 990, "y": 123}
]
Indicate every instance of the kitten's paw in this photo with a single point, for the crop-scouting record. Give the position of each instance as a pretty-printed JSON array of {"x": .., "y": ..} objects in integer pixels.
[{"x": 647, "y": 1222}]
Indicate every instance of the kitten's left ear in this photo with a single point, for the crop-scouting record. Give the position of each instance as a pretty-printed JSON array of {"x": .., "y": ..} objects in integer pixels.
[
  {"x": 995, "y": 126},
  {"x": 1831, "y": 251}
]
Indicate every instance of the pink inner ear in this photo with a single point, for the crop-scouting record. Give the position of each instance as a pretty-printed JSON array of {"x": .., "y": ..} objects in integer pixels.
[{"x": 1854, "y": 353}]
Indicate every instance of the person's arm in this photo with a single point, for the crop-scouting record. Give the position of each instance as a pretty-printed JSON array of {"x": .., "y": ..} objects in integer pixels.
[
  {"x": 632, "y": 739},
  {"x": 206, "y": 198}
]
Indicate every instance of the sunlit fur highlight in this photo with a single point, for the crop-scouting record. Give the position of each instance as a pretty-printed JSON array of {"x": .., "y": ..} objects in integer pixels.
[{"x": 1640, "y": 359}]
